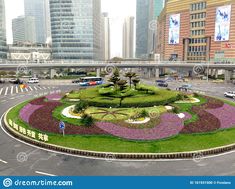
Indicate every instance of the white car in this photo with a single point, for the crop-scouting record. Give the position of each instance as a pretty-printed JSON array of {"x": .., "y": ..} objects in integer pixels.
[
  {"x": 33, "y": 80},
  {"x": 230, "y": 94}
]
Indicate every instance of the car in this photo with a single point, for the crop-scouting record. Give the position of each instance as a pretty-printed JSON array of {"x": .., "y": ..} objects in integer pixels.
[
  {"x": 16, "y": 81},
  {"x": 185, "y": 87},
  {"x": 76, "y": 81},
  {"x": 230, "y": 94},
  {"x": 163, "y": 84},
  {"x": 33, "y": 80},
  {"x": 2, "y": 80}
]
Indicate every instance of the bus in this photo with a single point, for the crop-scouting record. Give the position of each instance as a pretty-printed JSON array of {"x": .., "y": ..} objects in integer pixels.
[{"x": 91, "y": 81}]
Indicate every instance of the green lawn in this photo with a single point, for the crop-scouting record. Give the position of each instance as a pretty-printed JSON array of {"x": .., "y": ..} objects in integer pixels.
[
  {"x": 179, "y": 143},
  {"x": 187, "y": 107}
]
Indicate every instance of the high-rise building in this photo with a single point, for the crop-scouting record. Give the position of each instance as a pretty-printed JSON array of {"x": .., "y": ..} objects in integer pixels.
[
  {"x": 75, "y": 29},
  {"x": 105, "y": 37},
  {"x": 197, "y": 31},
  {"x": 3, "y": 46},
  {"x": 142, "y": 28},
  {"x": 155, "y": 9},
  {"x": 147, "y": 12},
  {"x": 47, "y": 19},
  {"x": 23, "y": 29},
  {"x": 37, "y": 9},
  {"x": 128, "y": 38}
]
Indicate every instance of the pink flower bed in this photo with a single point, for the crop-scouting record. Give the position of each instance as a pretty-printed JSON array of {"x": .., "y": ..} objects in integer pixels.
[
  {"x": 226, "y": 115},
  {"x": 54, "y": 97},
  {"x": 28, "y": 110},
  {"x": 170, "y": 125}
]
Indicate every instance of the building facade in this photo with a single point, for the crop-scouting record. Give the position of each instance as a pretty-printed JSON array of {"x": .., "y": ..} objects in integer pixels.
[
  {"x": 197, "y": 31},
  {"x": 155, "y": 9},
  {"x": 142, "y": 28},
  {"x": 29, "y": 52},
  {"x": 37, "y": 9},
  {"x": 75, "y": 29},
  {"x": 147, "y": 12},
  {"x": 24, "y": 30},
  {"x": 3, "y": 46},
  {"x": 128, "y": 38},
  {"x": 105, "y": 37}
]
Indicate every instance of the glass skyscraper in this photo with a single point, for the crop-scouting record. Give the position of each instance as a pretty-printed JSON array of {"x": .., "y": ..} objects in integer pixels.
[
  {"x": 36, "y": 9},
  {"x": 142, "y": 27},
  {"x": 2, "y": 30},
  {"x": 75, "y": 28},
  {"x": 147, "y": 12}
]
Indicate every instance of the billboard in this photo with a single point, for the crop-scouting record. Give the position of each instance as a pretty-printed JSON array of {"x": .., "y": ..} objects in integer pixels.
[
  {"x": 222, "y": 23},
  {"x": 174, "y": 29}
]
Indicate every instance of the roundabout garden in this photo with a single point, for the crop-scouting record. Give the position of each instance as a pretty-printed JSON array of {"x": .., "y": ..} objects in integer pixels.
[{"x": 126, "y": 116}]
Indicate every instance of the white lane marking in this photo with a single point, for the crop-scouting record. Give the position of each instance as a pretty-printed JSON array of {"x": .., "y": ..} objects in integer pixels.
[
  {"x": 44, "y": 88},
  {"x": 42, "y": 173},
  {"x": 1, "y": 91},
  {"x": 35, "y": 88},
  {"x": 17, "y": 91},
  {"x": 3, "y": 161},
  {"x": 12, "y": 88},
  {"x": 39, "y": 87},
  {"x": 6, "y": 91},
  {"x": 3, "y": 100},
  {"x": 26, "y": 88},
  {"x": 30, "y": 88},
  {"x": 21, "y": 89}
]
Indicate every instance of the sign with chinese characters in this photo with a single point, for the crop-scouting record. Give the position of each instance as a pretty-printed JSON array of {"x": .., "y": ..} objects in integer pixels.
[
  {"x": 29, "y": 133},
  {"x": 222, "y": 23}
]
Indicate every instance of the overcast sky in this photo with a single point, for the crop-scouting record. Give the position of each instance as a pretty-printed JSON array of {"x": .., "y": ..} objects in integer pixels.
[{"x": 117, "y": 9}]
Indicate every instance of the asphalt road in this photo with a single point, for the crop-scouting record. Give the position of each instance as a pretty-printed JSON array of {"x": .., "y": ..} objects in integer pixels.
[{"x": 41, "y": 162}]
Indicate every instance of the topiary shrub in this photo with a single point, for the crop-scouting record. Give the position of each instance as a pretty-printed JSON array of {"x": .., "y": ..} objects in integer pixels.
[
  {"x": 87, "y": 120},
  {"x": 80, "y": 106},
  {"x": 144, "y": 113}
]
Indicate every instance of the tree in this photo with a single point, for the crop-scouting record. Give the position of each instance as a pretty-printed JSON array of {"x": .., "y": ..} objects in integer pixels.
[
  {"x": 12, "y": 73},
  {"x": 136, "y": 81},
  {"x": 122, "y": 84},
  {"x": 115, "y": 78},
  {"x": 3, "y": 73},
  {"x": 130, "y": 75}
]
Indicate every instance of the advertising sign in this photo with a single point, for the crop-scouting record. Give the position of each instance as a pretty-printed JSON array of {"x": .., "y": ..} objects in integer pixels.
[
  {"x": 174, "y": 29},
  {"x": 222, "y": 23}
]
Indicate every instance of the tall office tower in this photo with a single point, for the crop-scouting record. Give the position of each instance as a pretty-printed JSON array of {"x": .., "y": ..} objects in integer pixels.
[
  {"x": 105, "y": 37},
  {"x": 142, "y": 28},
  {"x": 3, "y": 46},
  {"x": 47, "y": 19},
  {"x": 24, "y": 29},
  {"x": 155, "y": 9},
  {"x": 36, "y": 9},
  {"x": 128, "y": 38},
  {"x": 75, "y": 29}
]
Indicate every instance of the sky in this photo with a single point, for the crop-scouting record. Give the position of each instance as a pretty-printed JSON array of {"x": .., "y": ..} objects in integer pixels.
[{"x": 117, "y": 9}]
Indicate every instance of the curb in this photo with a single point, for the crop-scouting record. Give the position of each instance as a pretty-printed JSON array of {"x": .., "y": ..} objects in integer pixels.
[{"x": 120, "y": 156}]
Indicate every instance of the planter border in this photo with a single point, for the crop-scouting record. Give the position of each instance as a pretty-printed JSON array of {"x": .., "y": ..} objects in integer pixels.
[{"x": 121, "y": 156}]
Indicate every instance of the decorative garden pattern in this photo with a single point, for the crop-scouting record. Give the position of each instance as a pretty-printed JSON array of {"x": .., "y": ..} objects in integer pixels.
[{"x": 109, "y": 118}]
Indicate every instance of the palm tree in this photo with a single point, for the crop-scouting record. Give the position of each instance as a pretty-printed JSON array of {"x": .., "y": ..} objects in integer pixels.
[
  {"x": 136, "y": 81},
  {"x": 122, "y": 84},
  {"x": 130, "y": 75}
]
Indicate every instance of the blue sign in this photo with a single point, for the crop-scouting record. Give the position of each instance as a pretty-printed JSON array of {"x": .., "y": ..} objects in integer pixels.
[{"x": 62, "y": 125}]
